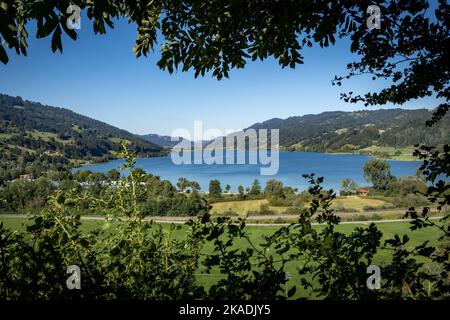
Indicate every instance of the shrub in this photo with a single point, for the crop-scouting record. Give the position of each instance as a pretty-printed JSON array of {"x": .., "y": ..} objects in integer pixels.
[
  {"x": 278, "y": 202},
  {"x": 229, "y": 213},
  {"x": 279, "y": 220},
  {"x": 292, "y": 210},
  {"x": 264, "y": 210},
  {"x": 411, "y": 200},
  {"x": 369, "y": 208},
  {"x": 343, "y": 209}
]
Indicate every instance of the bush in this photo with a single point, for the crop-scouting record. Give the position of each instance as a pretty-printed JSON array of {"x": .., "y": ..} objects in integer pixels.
[
  {"x": 278, "y": 202},
  {"x": 279, "y": 220},
  {"x": 264, "y": 210},
  {"x": 358, "y": 217},
  {"x": 228, "y": 213},
  {"x": 292, "y": 210},
  {"x": 343, "y": 209},
  {"x": 369, "y": 208},
  {"x": 411, "y": 200},
  {"x": 387, "y": 206},
  {"x": 365, "y": 217}
]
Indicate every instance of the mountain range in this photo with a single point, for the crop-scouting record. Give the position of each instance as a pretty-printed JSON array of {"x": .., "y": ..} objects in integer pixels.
[
  {"x": 30, "y": 132},
  {"x": 389, "y": 133},
  {"x": 162, "y": 141}
]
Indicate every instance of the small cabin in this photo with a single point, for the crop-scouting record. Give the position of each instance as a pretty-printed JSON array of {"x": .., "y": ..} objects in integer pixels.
[{"x": 362, "y": 192}]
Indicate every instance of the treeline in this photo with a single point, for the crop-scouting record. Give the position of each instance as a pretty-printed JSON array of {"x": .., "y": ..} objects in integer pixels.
[
  {"x": 161, "y": 198},
  {"x": 155, "y": 197}
]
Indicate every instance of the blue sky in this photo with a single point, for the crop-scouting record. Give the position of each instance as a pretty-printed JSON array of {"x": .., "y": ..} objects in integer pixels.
[{"x": 99, "y": 76}]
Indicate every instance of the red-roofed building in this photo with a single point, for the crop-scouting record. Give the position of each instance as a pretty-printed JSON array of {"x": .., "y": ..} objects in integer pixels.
[{"x": 362, "y": 192}]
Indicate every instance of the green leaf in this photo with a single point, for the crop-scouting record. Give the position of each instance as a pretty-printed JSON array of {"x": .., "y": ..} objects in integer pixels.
[
  {"x": 3, "y": 55},
  {"x": 56, "y": 40},
  {"x": 292, "y": 291},
  {"x": 45, "y": 29}
]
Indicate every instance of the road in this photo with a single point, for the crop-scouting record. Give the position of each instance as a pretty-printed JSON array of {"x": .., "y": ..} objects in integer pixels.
[{"x": 182, "y": 220}]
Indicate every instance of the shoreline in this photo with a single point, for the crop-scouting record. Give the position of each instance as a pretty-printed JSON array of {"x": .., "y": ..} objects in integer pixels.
[
  {"x": 411, "y": 159},
  {"x": 375, "y": 156}
]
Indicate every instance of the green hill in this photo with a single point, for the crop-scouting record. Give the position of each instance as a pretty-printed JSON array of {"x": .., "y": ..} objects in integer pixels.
[
  {"x": 389, "y": 133},
  {"x": 34, "y": 137},
  {"x": 163, "y": 141}
]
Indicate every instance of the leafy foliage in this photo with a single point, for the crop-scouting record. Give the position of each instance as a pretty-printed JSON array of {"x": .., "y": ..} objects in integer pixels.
[
  {"x": 378, "y": 172},
  {"x": 130, "y": 258},
  {"x": 216, "y": 36}
]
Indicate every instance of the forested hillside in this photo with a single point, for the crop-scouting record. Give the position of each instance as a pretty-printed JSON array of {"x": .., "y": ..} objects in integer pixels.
[
  {"x": 34, "y": 137},
  {"x": 385, "y": 132},
  {"x": 162, "y": 141}
]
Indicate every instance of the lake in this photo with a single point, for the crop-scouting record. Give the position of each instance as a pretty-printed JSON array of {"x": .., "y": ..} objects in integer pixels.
[{"x": 333, "y": 167}]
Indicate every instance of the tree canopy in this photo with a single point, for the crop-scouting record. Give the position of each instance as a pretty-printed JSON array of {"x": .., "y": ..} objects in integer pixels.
[
  {"x": 378, "y": 172},
  {"x": 214, "y": 36},
  {"x": 218, "y": 35}
]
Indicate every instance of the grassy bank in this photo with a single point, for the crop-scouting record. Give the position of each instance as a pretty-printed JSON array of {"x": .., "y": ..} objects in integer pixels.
[{"x": 381, "y": 152}]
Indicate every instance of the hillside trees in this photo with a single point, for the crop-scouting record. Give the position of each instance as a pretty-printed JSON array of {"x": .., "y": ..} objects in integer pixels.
[{"x": 53, "y": 135}]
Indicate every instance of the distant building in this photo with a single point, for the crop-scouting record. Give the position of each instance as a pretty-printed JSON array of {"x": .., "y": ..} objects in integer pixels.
[
  {"x": 362, "y": 192},
  {"x": 52, "y": 153},
  {"x": 26, "y": 177},
  {"x": 425, "y": 153}
]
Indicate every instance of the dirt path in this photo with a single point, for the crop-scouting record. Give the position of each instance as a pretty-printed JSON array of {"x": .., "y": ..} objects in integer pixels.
[{"x": 181, "y": 220}]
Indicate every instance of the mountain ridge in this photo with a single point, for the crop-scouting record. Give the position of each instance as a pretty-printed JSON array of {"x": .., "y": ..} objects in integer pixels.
[
  {"x": 43, "y": 137},
  {"x": 386, "y": 133}
]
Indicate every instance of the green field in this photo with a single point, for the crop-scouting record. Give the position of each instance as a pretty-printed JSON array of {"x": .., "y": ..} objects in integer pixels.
[
  {"x": 358, "y": 203},
  {"x": 393, "y": 153},
  {"x": 383, "y": 152},
  {"x": 257, "y": 233},
  {"x": 242, "y": 207}
]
